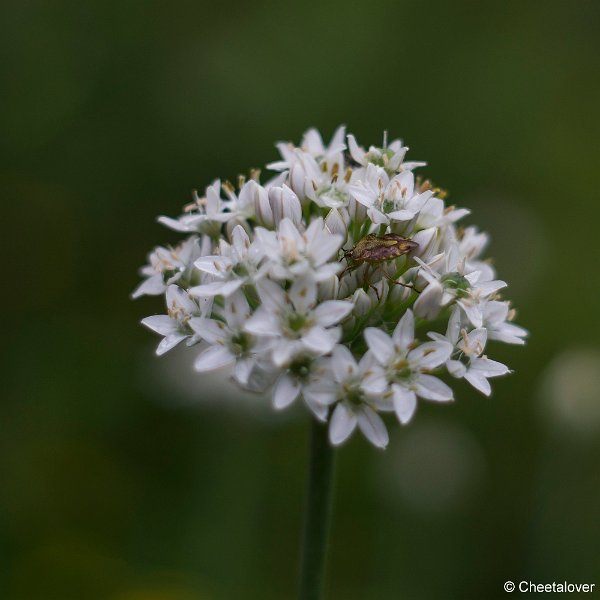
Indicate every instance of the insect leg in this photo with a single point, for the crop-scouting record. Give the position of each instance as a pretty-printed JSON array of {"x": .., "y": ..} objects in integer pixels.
[
  {"x": 368, "y": 281},
  {"x": 406, "y": 285}
]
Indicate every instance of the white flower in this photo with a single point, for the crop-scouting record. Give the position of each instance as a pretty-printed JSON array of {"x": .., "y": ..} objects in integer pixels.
[
  {"x": 293, "y": 380},
  {"x": 242, "y": 205},
  {"x": 290, "y": 254},
  {"x": 355, "y": 389},
  {"x": 211, "y": 212},
  {"x": 294, "y": 321},
  {"x": 496, "y": 319},
  {"x": 407, "y": 365},
  {"x": 170, "y": 265},
  {"x": 453, "y": 284},
  {"x": 434, "y": 213},
  {"x": 236, "y": 264},
  {"x": 323, "y": 183},
  {"x": 229, "y": 343},
  {"x": 390, "y": 157},
  {"x": 389, "y": 199},
  {"x": 472, "y": 243},
  {"x": 175, "y": 326},
  {"x": 305, "y": 174},
  {"x": 470, "y": 346},
  {"x": 312, "y": 145},
  {"x": 284, "y": 204}
]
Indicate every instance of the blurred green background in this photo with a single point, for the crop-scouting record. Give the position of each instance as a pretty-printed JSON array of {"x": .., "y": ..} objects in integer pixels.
[{"x": 127, "y": 477}]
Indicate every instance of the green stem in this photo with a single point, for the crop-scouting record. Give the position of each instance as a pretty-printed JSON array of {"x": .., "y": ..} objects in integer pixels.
[{"x": 317, "y": 513}]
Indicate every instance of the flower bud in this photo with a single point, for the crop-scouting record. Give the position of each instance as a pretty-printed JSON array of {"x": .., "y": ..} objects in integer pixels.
[
  {"x": 262, "y": 207},
  {"x": 362, "y": 303},
  {"x": 429, "y": 302},
  {"x": 426, "y": 238},
  {"x": 334, "y": 221},
  {"x": 284, "y": 203}
]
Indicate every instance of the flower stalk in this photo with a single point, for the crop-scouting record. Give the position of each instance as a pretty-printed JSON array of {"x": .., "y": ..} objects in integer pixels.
[{"x": 317, "y": 514}]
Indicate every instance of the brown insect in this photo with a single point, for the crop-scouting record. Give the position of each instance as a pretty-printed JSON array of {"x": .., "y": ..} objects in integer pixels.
[{"x": 375, "y": 249}]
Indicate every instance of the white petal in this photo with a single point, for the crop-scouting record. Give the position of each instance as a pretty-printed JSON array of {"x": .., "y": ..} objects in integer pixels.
[
  {"x": 380, "y": 344},
  {"x": 508, "y": 333},
  {"x": 214, "y": 357},
  {"x": 495, "y": 311},
  {"x": 153, "y": 286},
  {"x": 174, "y": 224},
  {"x": 432, "y": 388},
  {"x": 322, "y": 398},
  {"x": 303, "y": 294},
  {"x": 240, "y": 239},
  {"x": 317, "y": 408},
  {"x": 430, "y": 355},
  {"x": 177, "y": 297},
  {"x": 267, "y": 240},
  {"x": 206, "y": 290},
  {"x": 456, "y": 368},
  {"x": 453, "y": 331},
  {"x": 362, "y": 302},
  {"x": 488, "y": 367},
  {"x": 404, "y": 333},
  {"x": 476, "y": 342},
  {"x": 261, "y": 377},
  {"x": 214, "y": 265},
  {"x": 374, "y": 381},
  {"x": 162, "y": 324},
  {"x": 328, "y": 271},
  {"x": 453, "y": 258},
  {"x": 170, "y": 341},
  {"x": 405, "y": 403},
  {"x": 271, "y": 294},
  {"x": 325, "y": 247},
  {"x": 473, "y": 312},
  {"x": 289, "y": 231},
  {"x": 320, "y": 340},
  {"x": 284, "y": 351},
  {"x": 372, "y": 426},
  {"x": 292, "y": 209},
  {"x": 263, "y": 322},
  {"x": 488, "y": 288},
  {"x": 377, "y": 216},
  {"x": 342, "y": 424},
  {"x": 210, "y": 330},
  {"x": 362, "y": 195},
  {"x": 231, "y": 286},
  {"x": 343, "y": 364},
  {"x": 336, "y": 224},
  {"x": 242, "y": 370},
  {"x": 357, "y": 153},
  {"x": 479, "y": 382},
  {"x": 237, "y": 310},
  {"x": 285, "y": 392},
  {"x": 401, "y": 215},
  {"x": 424, "y": 239},
  {"x": 332, "y": 312},
  {"x": 429, "y": 302}
]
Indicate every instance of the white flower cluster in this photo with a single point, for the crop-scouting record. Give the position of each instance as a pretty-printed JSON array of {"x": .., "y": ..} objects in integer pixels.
[{"x": 317, "y": 283}]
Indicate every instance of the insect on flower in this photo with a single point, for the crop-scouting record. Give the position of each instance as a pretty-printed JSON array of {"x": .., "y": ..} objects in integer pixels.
[{"x": 374, "y": 249}]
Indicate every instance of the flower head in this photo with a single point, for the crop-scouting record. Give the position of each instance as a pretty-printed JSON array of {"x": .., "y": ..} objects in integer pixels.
[{"x": 343, "y": 282}]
